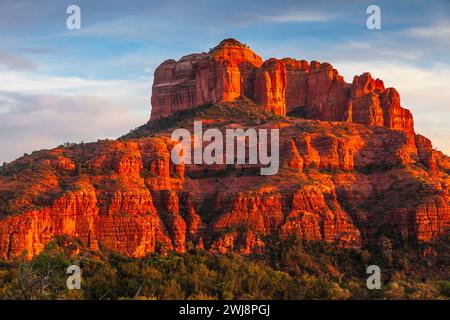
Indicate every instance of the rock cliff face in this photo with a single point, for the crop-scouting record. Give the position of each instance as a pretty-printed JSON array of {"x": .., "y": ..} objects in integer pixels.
[
  {"x": 232, "y": 70},
  {"x": 270, "y": 86},
  {"x": 223, "y": 74},
  {"x": 352, "y": 170}
]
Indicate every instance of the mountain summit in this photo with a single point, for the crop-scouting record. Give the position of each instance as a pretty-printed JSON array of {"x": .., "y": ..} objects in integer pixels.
[
  {"x": 232, "y": 70},
  {"x": 353, "y": 172}
]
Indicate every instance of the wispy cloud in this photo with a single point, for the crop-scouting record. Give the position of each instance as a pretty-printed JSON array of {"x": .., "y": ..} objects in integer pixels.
[
  {"x": 122, "y": 27},
  {"x": 39, "y": 50},
  {"x": 11, "y": 61},
  {"x": 40, "y": 111},
  {"x": 439, "y": 31},
  {"x": 294, "y": 17}
]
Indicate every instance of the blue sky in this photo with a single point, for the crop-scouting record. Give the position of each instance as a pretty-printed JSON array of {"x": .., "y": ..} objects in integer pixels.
[{"x": 59, "y": 85}]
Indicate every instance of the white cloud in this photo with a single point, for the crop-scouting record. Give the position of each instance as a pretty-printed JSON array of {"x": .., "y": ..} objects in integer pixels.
[
  {"x": 39, "y": 111},
  {"x": 439, "y": 31},
  {"x": 124, "y": 27},
  {"x": 36, "y": 83},
  {"x": 10, "y": 61},
  {"x": 295, "y": 17}
]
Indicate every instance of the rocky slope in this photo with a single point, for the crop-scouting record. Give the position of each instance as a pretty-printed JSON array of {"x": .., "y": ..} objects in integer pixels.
[{"x": 353, "y": 171}]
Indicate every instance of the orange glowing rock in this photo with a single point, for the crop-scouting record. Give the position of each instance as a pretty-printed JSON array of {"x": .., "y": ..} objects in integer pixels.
[{"x": 351, "y": 167}]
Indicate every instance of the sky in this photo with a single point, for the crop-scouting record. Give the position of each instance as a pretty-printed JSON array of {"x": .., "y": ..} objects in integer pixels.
[{"x": 59, "y": 85}]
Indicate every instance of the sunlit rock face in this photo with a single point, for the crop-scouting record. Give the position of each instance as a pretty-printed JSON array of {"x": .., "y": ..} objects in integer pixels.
[
  {"x": 351, "y": 167},
  {"x": 223, "y": 74},
  {"x": 270, "y": 86},
  {"x": 232, "y": 70}
]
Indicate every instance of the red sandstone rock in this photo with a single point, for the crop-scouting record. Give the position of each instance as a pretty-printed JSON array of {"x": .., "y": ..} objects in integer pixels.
[
  {"x": 295, "y": 161},
  {"x": 194, "y": 225},
  {"x": 174, "y": 222},
  {"x": 396, "y": 117},
  {"x": 235, "y": 64},
  {"x": 340, "y": 182},
  {"x": 129, "y": 197},
  {"x": 223, "y": 74},
  {"x": 245, "y": 244},
  {"x": 260, "y": 212},
  {"x": 425, "y": 151},
  {"x": 326, "y": 152},
  {"x": 270, "y": 86},
  {"x": 76, "y": 214},
  {"x": 232, "y": 70},
  {"x": 432, "y": 219},
  {"x": 327, "y": 92},
  {"x": 310, "y": 212},
  {"x": 297, "y": 83}
]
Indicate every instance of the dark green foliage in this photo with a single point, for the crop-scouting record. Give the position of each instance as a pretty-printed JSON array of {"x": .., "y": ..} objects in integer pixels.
[
  {"x": 207, "y": 209},
  {"x": 299, "y": 112},
  {"x": 444, "y": 288},
  {"x": 68, "y": 145},
  {"x": 375, "y": 168},
  {"x": 296, "y": 269},
  {"x": 241, "y": 110},
  {"x": 226, "y": 171},
  {"x": 3, "y": 168}
]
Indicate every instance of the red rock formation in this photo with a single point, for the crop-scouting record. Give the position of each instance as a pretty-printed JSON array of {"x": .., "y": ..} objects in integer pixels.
[
  {"x": 223, "y": 74},
  {"x": 76, "y": 214},
  {"x": 365, "y": 101},
  {"x": 295, "y": 161},
  {"x": 235, "y": 64},
  {"x": 260, "y": 212},
  {"x": 232, "y": 70},
  {"x": 128, "y": 197},
  {"x": 432, "y": 219},
  {"x": 425, "y": 151},
  {"x": 311, "y": 218},
  {"x": 270, "y": 86},
  {"x": 325, "y": 152},
  {"x": 194, "y": 224},
  {"x": 429, "y": 220},
  {"x": 344, "y": 179},
  {"x": 327, "y": 93},
  {"x": 247, "y": 243},
  {"x": 396, "y": 117},
  {"x": 175, "y": 224},
  {"x": 296, "y": 83},
  {"x": 174, "y": 86},
  {"x": 159, "y": 172}
]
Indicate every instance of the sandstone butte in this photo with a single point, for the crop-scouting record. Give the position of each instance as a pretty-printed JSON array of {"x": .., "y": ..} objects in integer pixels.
[{"x": 352, "y": 167}]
